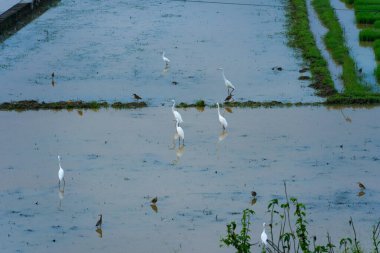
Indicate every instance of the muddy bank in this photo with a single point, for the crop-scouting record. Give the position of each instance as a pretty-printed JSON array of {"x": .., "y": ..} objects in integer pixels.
[
  {"x": 116, "y": 161},
  {"x": 341, "y": 99},
  {"x": 21, "y": 14}
]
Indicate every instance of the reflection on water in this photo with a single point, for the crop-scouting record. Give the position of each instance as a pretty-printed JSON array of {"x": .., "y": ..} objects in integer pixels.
[
  {"x": 179, "y": 153},
  {"x": 165, "y": 70},
  {"x": 361, "y": 193},
  {"x": 228, "y": 109},
  {"x": 222, "y": 135},
  {"x": 346, "y": 118},
  {"x": 99, "y": 231},
  {"x": 61, "y": 194},
  {"x": 154, "y": 207}
]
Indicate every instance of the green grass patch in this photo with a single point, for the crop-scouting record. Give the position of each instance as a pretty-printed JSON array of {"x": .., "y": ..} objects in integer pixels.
[
  {"x": 367, "y": 2},
  {"x": 350, "y": 2},
  {"x": 302, "y": 38},
  {"x": 367, "y": 17},
  {"x": 376, "y": 48},
  {"x": 376, "y": 24},
  {"x": 369, "y": 34},
  {"x": 335, "y": 43},
  {"x": 352, "y": 99}
]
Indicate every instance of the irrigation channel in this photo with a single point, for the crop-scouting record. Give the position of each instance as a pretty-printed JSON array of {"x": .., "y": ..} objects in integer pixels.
[{"x": 116, "y": 161}]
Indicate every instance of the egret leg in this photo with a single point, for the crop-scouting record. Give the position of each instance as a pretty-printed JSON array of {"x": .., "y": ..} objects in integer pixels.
[
  {"x": 64, "y": 182},
  {"x": 232, "y": 91}
]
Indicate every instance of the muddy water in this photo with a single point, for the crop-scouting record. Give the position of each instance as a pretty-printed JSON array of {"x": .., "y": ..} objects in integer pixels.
[
  {"x": 109, "y": 50},
  {"x": 116, "y": 161}
]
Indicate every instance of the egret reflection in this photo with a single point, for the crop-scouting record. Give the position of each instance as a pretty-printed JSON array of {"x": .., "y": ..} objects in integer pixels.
[
  {"x": 61, "y": 194},
  {"x": 179, "y": 153},
  {"x": 222, "y": 135},
  {"x": 165, "y": 70}
]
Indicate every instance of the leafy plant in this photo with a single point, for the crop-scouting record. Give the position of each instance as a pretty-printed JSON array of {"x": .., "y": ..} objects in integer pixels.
[{"x": 239, "y": 240}]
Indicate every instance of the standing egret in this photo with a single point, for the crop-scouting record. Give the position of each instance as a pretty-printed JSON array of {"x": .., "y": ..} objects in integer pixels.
[
  {"x": 177, "y": 115},
  {"x": 61, "y": 173},
  {"x": 264, "y": 236},
  {"x": 165, "y": 59},
  {"x": 181, "y": 134},
  {"x": 228, "y": 84},
  {"x": 222, "y": 120}
]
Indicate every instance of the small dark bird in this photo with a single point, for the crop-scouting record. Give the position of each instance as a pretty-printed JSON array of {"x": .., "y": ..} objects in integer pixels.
[
  {"x": 253, "y": 193},
  {"x": 228, "y": 98},
  {"x": 361, "y": 185},
  {"x": 277, "y": 68},
  {"x": 154, "y": 200},
  {"x": 174, "y": 82},
  {"x": 99, "y": 223},
  {"x": 137, "y": 97},
  {"x": 52, "y": 75},
  {"x": 360, "y": 70},
  {"x": 303, "y": 70}
]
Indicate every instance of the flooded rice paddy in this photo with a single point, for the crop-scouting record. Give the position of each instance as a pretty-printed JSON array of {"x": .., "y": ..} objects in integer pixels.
[
  {"x": 109, "y": 50},
  {"x": 116, "y": 161}
]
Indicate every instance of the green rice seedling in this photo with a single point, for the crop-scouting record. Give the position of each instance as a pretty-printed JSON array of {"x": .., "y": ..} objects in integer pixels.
[
  {"x": 367, "y": 17},
  {"x": 358, "y": 2},
  {"x": 369, "y": 34}
]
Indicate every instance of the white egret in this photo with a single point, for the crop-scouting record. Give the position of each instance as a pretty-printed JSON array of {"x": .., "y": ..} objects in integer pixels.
[
  {"x": 222, "y": 120},
  {"x": 165, "y": 59},
  {"x": 177, "y": 115},
  {"x": 228, "y": 84},
  {"x": 61, "y": 173},
  {"x": 264, "y": 236},
  {"x": 180, "y": 133}
]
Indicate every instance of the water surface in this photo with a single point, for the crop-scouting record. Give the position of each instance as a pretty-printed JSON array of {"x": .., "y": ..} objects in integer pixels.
[{"x": 116, "y": 161}]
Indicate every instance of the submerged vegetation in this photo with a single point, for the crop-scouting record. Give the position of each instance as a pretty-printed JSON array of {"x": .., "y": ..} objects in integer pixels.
[{"x": 289, "y": 232}]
